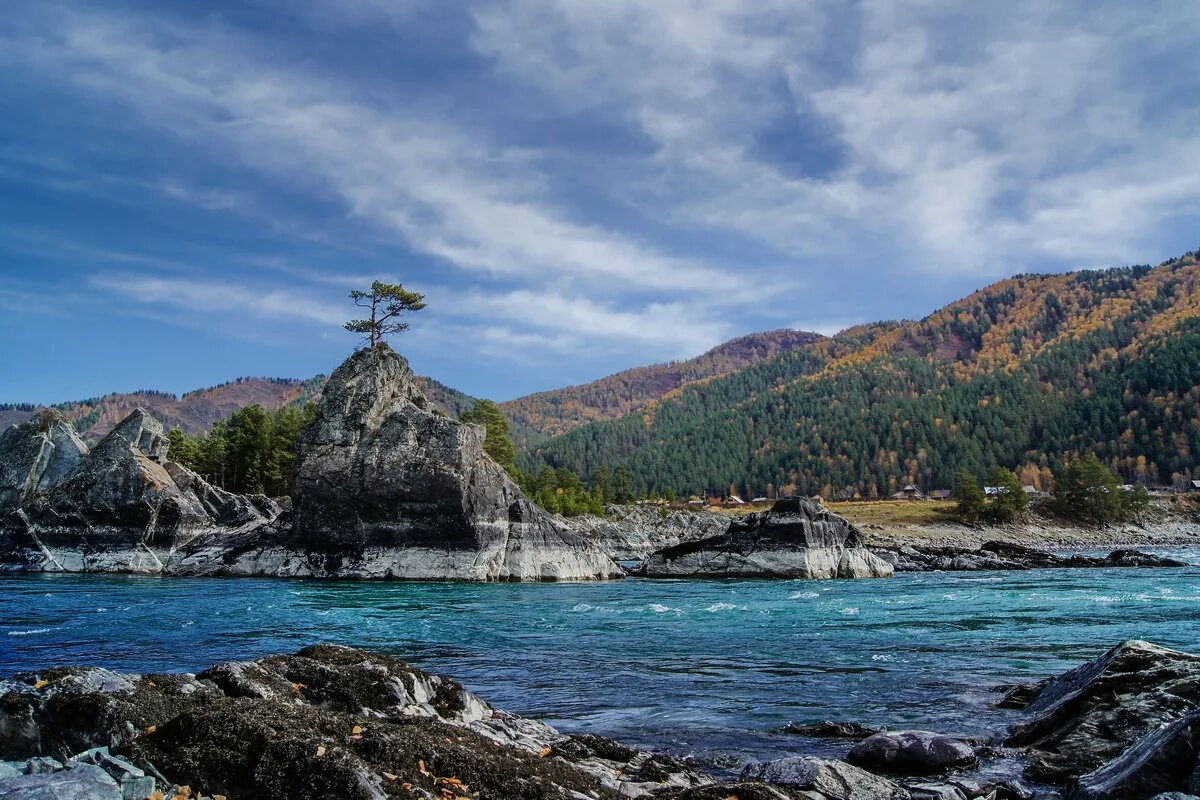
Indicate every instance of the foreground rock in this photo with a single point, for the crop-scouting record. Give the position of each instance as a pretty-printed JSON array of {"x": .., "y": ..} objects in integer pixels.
[
  {"x": 1123, "y": 720},
  {"x": 912, "y": 753},
  {"x": 326, "y": 722},
  {"x": 827, "y": 778},
  {"x": 386, "y": 489},
  {"x": 796, "y": 538},
  {"x": 633, "y": 532},
  {"x": 1008, "y": 556}
]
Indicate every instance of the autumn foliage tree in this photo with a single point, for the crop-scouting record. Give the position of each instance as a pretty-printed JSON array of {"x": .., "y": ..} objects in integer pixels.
[{"x": 387, "y": 302}]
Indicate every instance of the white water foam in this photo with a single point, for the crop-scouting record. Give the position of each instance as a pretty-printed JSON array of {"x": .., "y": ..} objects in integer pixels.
[{"x": 33, "y": 632}]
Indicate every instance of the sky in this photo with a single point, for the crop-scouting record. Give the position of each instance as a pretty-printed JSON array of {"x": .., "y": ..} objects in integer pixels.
[{"x": 189, "y": 190}]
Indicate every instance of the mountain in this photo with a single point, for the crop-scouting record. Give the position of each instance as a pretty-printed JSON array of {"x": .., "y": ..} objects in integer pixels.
[
  {"x": 195, "y": 412},
  {"x": 558, "y": 411},
  {"x": 1020, "y": 374}
]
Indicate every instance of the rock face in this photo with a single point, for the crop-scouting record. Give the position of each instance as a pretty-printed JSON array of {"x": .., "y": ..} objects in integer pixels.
[
  {"x": 1163, "y": 760},
  {"x": 1008, "y": 556},
  {"x": 388, "y": 489},
  {"x": 1088, "y": 718},
  {"x": 326, "y": 722},
  {"x": 912, "y": 753},
  {"x": 796, "y": 538},
  {"x": 122, "y": 507},
  {"x": 631, "y": 533}
]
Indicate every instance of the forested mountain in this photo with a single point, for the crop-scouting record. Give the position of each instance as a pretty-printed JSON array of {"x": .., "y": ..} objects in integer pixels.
[
  {"x": 560, "y": 410},
  {"x": 1021, "y": 374},
  {"x": 196, "y": 412}
]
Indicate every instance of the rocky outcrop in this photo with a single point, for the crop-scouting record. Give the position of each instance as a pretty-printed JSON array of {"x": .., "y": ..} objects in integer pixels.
[
  {"x": 796, "y": 538},
  {"x": 386, "y": 488},
  {"x": 633, "y": 532},
  {"x": 326, "y": 722},
  {"x": 1089, "y": 717},
  {"x": 825, "y": 778},
  {"x": 998, "y": 555},
  {"x": 121, "y": 507}
]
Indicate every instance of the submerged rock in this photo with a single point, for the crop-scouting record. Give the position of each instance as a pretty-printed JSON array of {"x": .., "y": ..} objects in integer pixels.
[
  {"x": 826, "y": 778},
  {"x": 997, "y": 555},
  {"x": 796, "y": 538},
  {"x": 1089, "y": 716},
  {"x": 912, "y": 753}
]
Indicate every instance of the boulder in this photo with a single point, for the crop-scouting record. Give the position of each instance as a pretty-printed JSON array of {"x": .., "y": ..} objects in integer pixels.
[
  {"x": 796, "y": 538},
  {"x": 386, "y": 488},
  {"x": 1165, "y": 760},
  {"x": 1082, "y": 720},
  {"x": 912, "y": 753},
  {"x": 122, "y": 507},
  {"x": 829, "y": 778}
]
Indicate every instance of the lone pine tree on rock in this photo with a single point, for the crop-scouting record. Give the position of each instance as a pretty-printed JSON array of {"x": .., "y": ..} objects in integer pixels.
[{"x": 387, "y": 302}]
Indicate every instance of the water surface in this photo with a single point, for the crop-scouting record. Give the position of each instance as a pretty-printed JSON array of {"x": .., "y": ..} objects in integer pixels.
[{"x": 712, "y": 669}]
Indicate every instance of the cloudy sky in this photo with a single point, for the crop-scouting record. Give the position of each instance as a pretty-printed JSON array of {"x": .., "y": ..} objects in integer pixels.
[{"x": 578, "y": 186}]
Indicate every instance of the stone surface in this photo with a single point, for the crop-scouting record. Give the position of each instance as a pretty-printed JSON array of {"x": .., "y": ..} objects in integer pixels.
[
  {"x": 829, "y": 778},
  {"x": 34, "y": 457},
  {"x": 326, "y": 722},
  {"x": 1087, "y": 717},
  {"x": 387, "y": 488},
  {"x": 1164, "y": 760},
  {"x": 633, "y": 532},
  {"x": 998, "y": 555},
  {"x": 912, "y": 753},
  {"x": 796, "y": 538},
  {"x": 831, "y": 730},
  {"x": 81, "y": 782}
]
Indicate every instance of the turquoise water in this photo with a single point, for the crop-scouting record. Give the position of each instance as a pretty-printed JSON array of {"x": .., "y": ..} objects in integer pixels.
[{"x": 709, "y": 669}]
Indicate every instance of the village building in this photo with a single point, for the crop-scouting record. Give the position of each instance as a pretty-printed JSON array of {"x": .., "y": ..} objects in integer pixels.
[{"x": 909, "y": 492}]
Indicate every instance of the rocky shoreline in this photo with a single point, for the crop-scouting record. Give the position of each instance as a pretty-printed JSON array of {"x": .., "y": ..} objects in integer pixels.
[{"x": 337, "y": 722}]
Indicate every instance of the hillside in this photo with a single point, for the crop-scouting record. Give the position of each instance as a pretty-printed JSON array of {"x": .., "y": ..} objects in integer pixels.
[
  {"x": 558, "y": 411},
  {"x": 1020, "y": 374},
  {"x": 196, "y": 411}
]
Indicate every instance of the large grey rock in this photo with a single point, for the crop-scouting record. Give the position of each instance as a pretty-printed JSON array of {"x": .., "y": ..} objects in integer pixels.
[
  {"x": 912, "y": 753},
  {"x": 1165, "y": 760},
  {"x": 832, "y": 779},
  {"x": 36, "y": 456},
  {"x": 80, "y": 782},
  {"x": 797, "y": 538},
  {"x": 122, "y": 507},
  {"x": 385, "y": 488},
  {"x": 1087, "y": 717}
]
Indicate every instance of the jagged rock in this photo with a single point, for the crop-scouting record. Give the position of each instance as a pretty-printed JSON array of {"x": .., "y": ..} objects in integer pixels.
[
  {"x": 1165, "y": 760},
  {"x": 34, "y": 458},
  {"x": 1087, "y": 717},
  {"x": 796, "y": 538},
  {"x": 328, "y": 721},
  {"x": 911, "y": 753},
  {"x": 831, "y": 730},
  {"x": 828, "y": 778},
  {"x": 122, "y": 507},
  {"x": 632, "y": 532},
  {"x": 998, "y": 555},
  {"x": 385, "y": 488}
]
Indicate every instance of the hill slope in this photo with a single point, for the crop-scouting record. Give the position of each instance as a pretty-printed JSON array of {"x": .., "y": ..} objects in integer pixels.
[
  {"x": 1020, "y": 374},
  {"x": 558, "y": 411}
]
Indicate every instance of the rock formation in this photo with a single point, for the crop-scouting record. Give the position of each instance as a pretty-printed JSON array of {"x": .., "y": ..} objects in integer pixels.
[
  {"x": 385, "y": 489},
  {"x": 121, "y": 507},
  {"x": 1111, "y": 719},
  {"x": 796, "y": 538},
  {"x": 911, "y": 753}
]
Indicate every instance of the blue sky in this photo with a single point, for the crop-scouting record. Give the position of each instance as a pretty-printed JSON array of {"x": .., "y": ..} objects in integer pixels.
[{"x": 189, "y": 190}]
